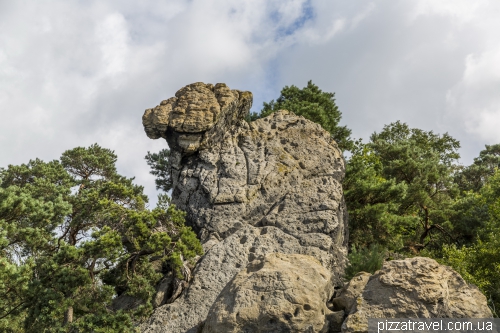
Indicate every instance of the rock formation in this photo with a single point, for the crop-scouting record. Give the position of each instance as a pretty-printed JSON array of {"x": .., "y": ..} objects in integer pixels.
[
  {"x": 345, "y": 300},
  {"x": 410, "y": 288},
  {"x": 266, "y": 201},
  {"x": 273, "y": 185},
  {"x": 276, "y": 293}
]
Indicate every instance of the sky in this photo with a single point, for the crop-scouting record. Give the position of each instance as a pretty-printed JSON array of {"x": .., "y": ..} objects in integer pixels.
[{"x": 74, "y": 73}]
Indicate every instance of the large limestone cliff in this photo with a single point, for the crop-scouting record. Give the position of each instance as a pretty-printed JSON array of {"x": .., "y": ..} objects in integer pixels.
[{"x": 249, "y": 190}]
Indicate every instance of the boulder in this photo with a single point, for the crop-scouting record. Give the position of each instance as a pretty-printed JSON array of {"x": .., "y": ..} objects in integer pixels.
[
  {"x": 275, "y": 293},
  {"x": 249, "y": 189},
  {"x": 415, "y": 288},
  {"x": 346, "y": 298},
  {"x": 217, "y": 268}
]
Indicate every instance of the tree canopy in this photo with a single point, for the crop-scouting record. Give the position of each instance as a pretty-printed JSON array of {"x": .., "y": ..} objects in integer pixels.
[
  {"x": 479, "y": 261},
  {"x": 399, "y": 187},
  {"x": 74, "y": 234},
  {"x": 473, "y": 177},
  {"x": 160, "y": 168}
]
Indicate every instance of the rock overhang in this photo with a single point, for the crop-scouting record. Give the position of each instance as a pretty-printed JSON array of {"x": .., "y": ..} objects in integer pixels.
[{"x": 184, "y": 119}]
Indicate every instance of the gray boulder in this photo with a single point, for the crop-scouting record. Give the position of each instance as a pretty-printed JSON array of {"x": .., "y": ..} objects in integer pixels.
[
  {"x": 217, "y": 268},
  {"x": 275, "y": 293},
  {"x": 348, "y": 295},
  {"x": 412, "y": 288}
]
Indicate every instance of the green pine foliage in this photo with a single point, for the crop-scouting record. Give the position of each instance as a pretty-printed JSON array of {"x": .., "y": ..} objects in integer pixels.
[
  {"x": 473, "y": 177},
  {"x": 425, "y": 163},
  {"x": 472, "y": 210},
  {"x": 479, "y": 262},
  {"x": 74, "y": 234},
  {"x": 160, "y": 168},
  {"x": 399, "y": 189},
  {"x": 373, "y": 202},
  {"x": 366, "y": 259}
]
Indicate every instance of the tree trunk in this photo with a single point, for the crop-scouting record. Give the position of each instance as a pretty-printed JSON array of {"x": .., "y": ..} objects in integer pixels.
[{"x": 426, "y": 225}]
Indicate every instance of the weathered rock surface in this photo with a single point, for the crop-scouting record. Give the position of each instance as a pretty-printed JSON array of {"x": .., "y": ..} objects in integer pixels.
[
  {"x": 189, "y": 119},
  {"x": 346, "y": 298},
  {"x": 414, "y": 288},
  {"x": 275, "y": 293},
  {"x": 273, "y": 185},
  {"x": 216, "y": 269}
]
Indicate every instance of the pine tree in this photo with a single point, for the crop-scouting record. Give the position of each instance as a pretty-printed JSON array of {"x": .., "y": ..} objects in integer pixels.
[
  {"x": 425, "y": 163},
  {"x": 160, "y": 168},
  {"x": 473, "y": 177},
  {"x": 73, "y": 235},
  {"x": 479, "y": 262}
]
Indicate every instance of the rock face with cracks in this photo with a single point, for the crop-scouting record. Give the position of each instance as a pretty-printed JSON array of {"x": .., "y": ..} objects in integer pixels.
[
  {"x": 275, "y": 293},
  {"x": 249, "y": 189}
]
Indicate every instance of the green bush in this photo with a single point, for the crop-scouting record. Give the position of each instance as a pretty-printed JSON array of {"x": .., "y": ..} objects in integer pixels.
[{"x": 365, "y": 260}]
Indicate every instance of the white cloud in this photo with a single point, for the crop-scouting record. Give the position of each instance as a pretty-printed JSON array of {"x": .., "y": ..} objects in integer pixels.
[
  {"x": 363, "y": 14},
  {"x": 112, "y": 36},
  {"x": 75, "y": 73},
  {"x": 475, "y": 100},
  {"x": 461, "y": 10}
]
